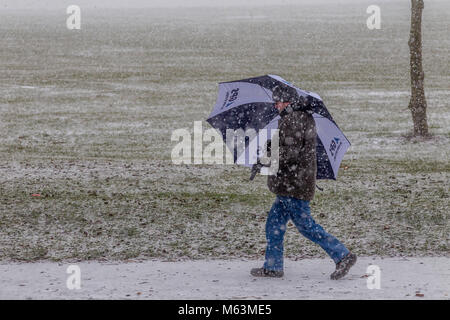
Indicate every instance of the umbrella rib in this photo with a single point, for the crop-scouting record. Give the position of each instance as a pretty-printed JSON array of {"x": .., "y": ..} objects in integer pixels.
[{"x": 264, "y": 89}]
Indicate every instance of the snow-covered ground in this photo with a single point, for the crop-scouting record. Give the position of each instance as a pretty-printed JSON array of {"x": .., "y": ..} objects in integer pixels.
[
  {"x": 86, "y": 118},
  {"x": 400, "y": 278}
]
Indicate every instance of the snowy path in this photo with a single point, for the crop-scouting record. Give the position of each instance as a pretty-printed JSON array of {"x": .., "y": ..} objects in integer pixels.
[{"x": 401, "y": 278}]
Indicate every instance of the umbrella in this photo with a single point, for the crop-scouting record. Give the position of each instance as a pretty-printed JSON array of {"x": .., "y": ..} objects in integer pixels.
[{"x": 247, "y": 104}]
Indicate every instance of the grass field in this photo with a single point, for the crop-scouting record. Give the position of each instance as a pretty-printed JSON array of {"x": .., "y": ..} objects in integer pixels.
[{"x": 86, "y": 118}]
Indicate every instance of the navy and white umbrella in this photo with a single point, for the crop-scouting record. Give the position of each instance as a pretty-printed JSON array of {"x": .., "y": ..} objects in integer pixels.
[{"x": 247, "y": 104}]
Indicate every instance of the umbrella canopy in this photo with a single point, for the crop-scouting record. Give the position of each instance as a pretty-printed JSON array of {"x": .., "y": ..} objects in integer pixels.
[{"x": 248, "y": 104}]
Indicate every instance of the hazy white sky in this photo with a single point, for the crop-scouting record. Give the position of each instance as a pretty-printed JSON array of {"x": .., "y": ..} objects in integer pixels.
[
  {"x": 129, "y": 3},
  {"x": 60, "y": 4}
]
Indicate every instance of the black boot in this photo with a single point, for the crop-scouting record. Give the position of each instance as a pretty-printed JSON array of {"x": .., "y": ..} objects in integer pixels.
[
  {"x": 261, "y": 272},
  {"x": 343, "y": 266}
]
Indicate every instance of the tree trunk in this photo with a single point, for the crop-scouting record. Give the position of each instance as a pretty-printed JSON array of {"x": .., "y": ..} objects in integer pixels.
[{"x": 417, "y": 104}]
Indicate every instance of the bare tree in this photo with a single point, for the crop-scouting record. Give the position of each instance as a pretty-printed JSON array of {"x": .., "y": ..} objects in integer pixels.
[{"x": 417, "y": 104}]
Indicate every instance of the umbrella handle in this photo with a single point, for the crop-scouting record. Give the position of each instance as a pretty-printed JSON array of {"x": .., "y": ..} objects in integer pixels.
[{"x": 255, "y": 169}]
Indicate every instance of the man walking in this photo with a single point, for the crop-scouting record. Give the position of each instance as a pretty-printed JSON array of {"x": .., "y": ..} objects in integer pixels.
[{"x": 294, "y": 184}]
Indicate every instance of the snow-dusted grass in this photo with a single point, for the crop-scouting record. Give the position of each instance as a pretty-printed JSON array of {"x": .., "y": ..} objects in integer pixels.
[{"x": 86, "y": 120}]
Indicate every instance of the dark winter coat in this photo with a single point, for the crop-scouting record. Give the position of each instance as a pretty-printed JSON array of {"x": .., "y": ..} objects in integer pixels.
[{"x": 297, "y": 168}]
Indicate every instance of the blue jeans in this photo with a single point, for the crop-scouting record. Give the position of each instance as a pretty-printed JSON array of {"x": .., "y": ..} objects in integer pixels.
[{"x": 285, "y": 208}]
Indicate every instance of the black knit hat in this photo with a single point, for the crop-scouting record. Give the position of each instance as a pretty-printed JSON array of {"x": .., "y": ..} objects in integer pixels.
[{"x": 284, "y": 94}]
